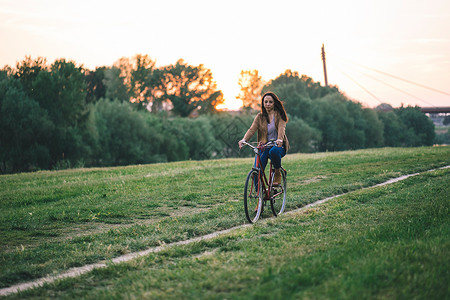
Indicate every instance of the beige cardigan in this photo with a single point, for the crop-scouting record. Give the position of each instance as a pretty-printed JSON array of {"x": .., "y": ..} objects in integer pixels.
[{"x": 260, "y": 125}]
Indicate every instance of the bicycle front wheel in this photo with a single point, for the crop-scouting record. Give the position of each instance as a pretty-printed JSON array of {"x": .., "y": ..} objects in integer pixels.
[
  {"x": 252, "y": 197},
  {"x": 278, "y": 199}
]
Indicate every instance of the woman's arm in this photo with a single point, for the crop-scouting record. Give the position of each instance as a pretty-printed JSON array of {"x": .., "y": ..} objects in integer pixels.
[
  {"x": 281, "y": 132},
  {"x": 250, "y": 132}
]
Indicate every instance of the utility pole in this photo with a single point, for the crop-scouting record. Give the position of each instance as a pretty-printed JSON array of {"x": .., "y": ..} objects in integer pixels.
[{"x": 324, "y": 65}]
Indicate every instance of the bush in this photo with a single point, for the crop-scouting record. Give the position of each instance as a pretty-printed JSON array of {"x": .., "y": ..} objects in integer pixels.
[
  {"x": 302, "y": 137},
  {"x": 124, "y": 135}
]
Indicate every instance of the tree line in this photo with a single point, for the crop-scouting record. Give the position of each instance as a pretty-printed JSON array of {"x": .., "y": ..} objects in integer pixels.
[{"x": 61, "y": 115}]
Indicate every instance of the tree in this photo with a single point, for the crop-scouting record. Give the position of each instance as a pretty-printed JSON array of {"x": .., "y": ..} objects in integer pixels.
[
  {"x": 302, "y": 137},
  {"x": 61, "y": 91},
  {"x": 344, "y": 124},
  {"x": 305, "y": 85},
  {"x": 189, "y": 88},
  {"x": 95, "y": 84},
  {"x": 132, "y": 79},
  {"x": 298, "y": 93},
  {"x": 251, "y": 88},
  {"x": 421, "y": 126},
  {"x": 28, "y": 70},
  {"x": 115, "y": 87},
  {"x": 353, "y": 136},
  {"x": 332, "y": 118},
  {"x": 24, "y": 129},
  {"x": 395, "y": 133},
  {"x": 373, "y": 129},
  {"x": 141, "y": 80},
  {"x": 49, "y": 98}
]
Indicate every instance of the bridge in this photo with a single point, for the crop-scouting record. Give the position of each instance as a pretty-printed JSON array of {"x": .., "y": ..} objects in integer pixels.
[{"x": 436, "y": 110}]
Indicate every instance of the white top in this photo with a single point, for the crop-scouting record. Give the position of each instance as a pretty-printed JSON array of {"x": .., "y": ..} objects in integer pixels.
[{"x": 272, "y": 133}]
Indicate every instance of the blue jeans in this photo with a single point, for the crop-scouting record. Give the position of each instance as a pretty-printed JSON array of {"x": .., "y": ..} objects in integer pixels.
[{"x": 275, "y": 154}]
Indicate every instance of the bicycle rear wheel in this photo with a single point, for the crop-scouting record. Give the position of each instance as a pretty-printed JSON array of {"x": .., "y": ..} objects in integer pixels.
[
  {"x": 278, "y": 199},
  {"x": 252, "y": 197}
]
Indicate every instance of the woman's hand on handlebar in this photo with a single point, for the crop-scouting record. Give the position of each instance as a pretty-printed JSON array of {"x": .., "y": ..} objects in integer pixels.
[
  {"x": 279, "y": 143},
  {"x": 241, "y": 143}
]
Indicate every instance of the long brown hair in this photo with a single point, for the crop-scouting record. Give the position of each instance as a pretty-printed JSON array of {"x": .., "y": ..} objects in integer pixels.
[{"x": 278, "y": 106}]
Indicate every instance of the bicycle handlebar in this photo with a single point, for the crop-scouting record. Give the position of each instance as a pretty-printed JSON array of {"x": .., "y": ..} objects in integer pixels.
[{"x": 261, "y": 146}]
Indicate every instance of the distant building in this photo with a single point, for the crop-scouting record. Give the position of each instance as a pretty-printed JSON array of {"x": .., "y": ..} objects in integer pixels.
[{"x": 384, "y": 107}]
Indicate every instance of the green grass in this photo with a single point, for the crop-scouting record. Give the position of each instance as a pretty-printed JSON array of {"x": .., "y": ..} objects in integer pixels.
[{"x": 366, "y": 243}]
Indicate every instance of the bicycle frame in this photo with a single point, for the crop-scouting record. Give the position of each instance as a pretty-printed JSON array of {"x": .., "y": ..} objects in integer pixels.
[{"x": 266, "y": 183}]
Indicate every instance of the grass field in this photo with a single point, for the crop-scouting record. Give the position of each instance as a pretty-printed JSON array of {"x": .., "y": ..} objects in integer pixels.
[{"x": 385, "y": 242}]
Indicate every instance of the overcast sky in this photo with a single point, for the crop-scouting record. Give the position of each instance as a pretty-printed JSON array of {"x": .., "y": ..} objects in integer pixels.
[{"x": 409, "y": 39}]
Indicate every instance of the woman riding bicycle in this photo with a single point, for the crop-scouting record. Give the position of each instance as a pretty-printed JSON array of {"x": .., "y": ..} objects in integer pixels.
[{"x": 270, "y": 124}]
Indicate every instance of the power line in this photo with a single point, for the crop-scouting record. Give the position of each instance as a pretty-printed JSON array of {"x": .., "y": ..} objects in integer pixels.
[
  {"x": 408, "y": 81},
  {"x": 398, "y": 89},
  {"x": 362, "y": 87},
  {"x": 398, "y": 78}
]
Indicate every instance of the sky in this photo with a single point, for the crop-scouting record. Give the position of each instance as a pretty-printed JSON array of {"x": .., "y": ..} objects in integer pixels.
[{"x": 383, "y": 51}]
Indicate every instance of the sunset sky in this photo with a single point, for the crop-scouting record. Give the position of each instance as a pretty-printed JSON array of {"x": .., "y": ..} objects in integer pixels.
[{"x": 406, "y": 38}]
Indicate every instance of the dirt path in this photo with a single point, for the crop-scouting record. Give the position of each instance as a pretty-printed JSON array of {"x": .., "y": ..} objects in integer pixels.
[{"x": 74, "y": 272}]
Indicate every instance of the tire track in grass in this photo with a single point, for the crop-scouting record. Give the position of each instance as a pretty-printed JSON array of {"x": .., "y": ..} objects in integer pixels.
[{"x": 74, "y": 272}]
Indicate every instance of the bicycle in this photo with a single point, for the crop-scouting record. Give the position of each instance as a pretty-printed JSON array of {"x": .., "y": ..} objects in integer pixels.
[{"x": 258, "y": 189}]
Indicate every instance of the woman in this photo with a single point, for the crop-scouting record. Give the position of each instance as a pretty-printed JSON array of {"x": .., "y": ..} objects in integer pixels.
[{"x": 270, "y": 124}]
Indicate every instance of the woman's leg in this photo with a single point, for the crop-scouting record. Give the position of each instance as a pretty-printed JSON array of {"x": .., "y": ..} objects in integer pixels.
[
  {"x": 275, "y": 154},
  {"x": 264, "y": 158}
]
